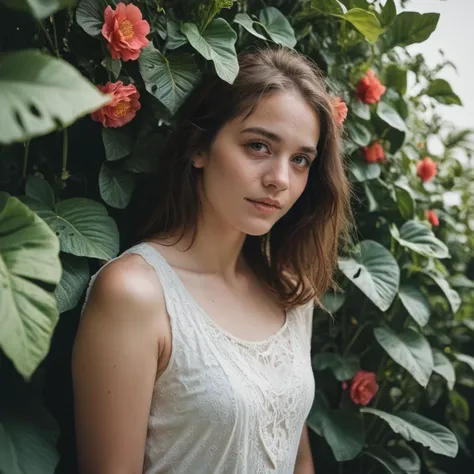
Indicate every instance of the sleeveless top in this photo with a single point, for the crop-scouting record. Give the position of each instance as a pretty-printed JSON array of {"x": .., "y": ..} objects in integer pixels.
[{"x": 224, "y": 405}]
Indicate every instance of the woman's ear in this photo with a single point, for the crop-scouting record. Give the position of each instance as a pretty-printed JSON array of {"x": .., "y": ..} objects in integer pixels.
[{"x": 200, "y": 159}]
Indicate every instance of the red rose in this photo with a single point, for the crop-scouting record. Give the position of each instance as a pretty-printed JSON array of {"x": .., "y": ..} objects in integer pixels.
[
  {"x": 374, "y": 153},
  {"x": 363, "y": 387},
  {"x": 125, "y": 31},
  {"x": 122, "y": 107},
  {"x": 432, "y": 217},
  {"x": 340, "y": 110},
  {"x": 426, "y": 169},
  {"x": 369, "y": 89}
]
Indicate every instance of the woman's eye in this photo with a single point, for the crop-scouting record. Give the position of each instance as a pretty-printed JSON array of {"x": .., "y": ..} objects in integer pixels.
[
  {"x": 302, "y": 160},
  {"x": 258, "y": 146}
]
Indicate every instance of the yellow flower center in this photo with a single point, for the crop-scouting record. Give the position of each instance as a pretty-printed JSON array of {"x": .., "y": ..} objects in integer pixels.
[
  {"x": 122, "y": 108},
  {"x": 126, "y": 27}
]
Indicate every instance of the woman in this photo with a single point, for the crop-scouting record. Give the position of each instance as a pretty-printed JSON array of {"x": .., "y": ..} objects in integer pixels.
[{"x": 193, "y": 353}]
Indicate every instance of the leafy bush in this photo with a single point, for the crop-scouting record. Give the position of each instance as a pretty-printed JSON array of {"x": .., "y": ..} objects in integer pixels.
[{"x": 390, "y": 367}]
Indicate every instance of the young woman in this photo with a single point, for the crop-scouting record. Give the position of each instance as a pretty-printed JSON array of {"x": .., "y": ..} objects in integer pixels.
[{"x": 193, "y": 352}]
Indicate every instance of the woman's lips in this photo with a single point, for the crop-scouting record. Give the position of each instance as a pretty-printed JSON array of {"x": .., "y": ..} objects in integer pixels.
[{"x": 262, "y": 207}]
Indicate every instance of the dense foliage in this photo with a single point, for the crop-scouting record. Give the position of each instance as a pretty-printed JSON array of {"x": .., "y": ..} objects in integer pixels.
[{"x": 89, "y": 91}]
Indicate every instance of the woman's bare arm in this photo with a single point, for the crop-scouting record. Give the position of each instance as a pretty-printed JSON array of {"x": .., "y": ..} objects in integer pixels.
[
  {"x": 114, "y": 367},
  {"x": 304, "y": 459}
]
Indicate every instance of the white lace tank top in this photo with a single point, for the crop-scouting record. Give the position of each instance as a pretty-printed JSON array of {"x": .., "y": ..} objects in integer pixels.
[{"x": 224, "y": 405}]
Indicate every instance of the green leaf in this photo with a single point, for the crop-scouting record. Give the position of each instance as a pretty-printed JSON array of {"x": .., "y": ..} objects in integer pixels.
[
  {"x": 390, "y": 116},
  {"x": 409, "y": 349},
  {"x": 38, "y": 93},
  {"x": 343, "y": 431},
  {"x": 82, "y": 226},
  {"x": 361, "y": 171},
  {"x": 406, "y": 458},
  {"x": 117, "y": 143},
  {"x": 327, "y": 6},
  {"x": 443, "y": 367},
  {"x": 216, "y": 44},
  {"x": 452, "y": 295},
  {"x": 396, "y": 78},
  {"x": 360, "y": 109},
  {"x": 388, "y": 14},
  {"x": 170, "y": 79},
  {"x": 116, "y": 186},
  {"x": 405, "y": 200},
  {"x": 441, "y": 90},
  {"x": 145, "y": 152},
  {"x": 388, "y": 461},
  {"x": 90, "y": 16},
  {"x": 358, "y": 133},
  {"x": 343, "y": 367},
  {"x": 114, "y": 66},
  {"x": 418, "y": 237},
  {"x": 354, "y": 4},
  {"x": 333, "y": 301},
  {"x": 469, "y": 360},
  {"x": 415, "y": 303},
  {"x": 73, "y": 282},
  {"x": 374, "y": 271},
  {"x": 365, "y": 22},
  {"x": 372, "y": 202},
  {"x": 277, "y": 27},
  {"x": 174, "y": 37},
  {"x": 244, "y": 20},
  {"x": 408, "y": 28},
  {"x": 38, "y": 188},
  {"x": 415, "y": 427},
  {"x": 39, "y": 8},
  {"x": 29, "y": 254}
]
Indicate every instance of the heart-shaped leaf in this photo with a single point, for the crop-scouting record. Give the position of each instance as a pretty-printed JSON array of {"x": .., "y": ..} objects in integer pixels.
[
  {"x": 441, "y": 90},
  {"x": 358, "y": 133},
  {"x": 82, "y": 225},
  {"x": 360, "y": 109},
  {"x": 174, "y": 37},
  {"x": 90, "y": 16},
  {"x": 396, "y": 77},
  {"x": 39, "y": 8},
  {"x": 374, "y": 271},
  {"x": 38, "y": 188},
  {"x": 73, "y": 282},
  {"x": 116, "y": 186},
  {"x": 388, "y": 461},
  {"x": 170, "y": 79},
  {"x": 361, "y": 171},
  {"x": 469, "y": 360},
  {"x": 343, "y": 367},
  {"x": 415, "y": 303},
  {"x": 244, "y": 20},
  {"x": 390, "y": 116},
  {"x": 277, "y": 27},
  {"x": 364, "y": 21},
  {"x": 415, "y": 427},
  {"x": 29, "y": 253},
  {"x": 217, "y": 44},
  {"x": 443, "y": 367},
  {"x": 38, "y": 93},
  {"x": 452, "y": 295},
  {"x": 405, "y": 201},
  {"x": 418, "y": 237},
  {"x": 117, "y": 144},
  {"x": 409, "y": 349},
  {"x": 332, "y": 301}
]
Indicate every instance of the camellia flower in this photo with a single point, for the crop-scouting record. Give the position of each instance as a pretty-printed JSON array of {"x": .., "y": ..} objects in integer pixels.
[
  {"x": 432, "y": 217},
  {"x": 426, "y": 169},
  {"x": 340, "y": 110},
  {"x": 363, "y": 387},
  {"x": 374, "y": 153},
  {"x": 125, "y": 30},
  {"x": 121, "y": 109},
  {"x": 369, "y": 89}
]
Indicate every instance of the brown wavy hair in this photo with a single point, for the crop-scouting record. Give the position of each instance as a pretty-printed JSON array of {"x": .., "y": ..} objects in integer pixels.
[{"x": 297, "y": 258}]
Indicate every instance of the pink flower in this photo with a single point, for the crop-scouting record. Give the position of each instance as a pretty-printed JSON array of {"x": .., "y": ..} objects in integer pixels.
[
  {"x": 374, "y": 153},
  {"x": 363, "y": 387},
  {"x": 432, "y": 217},
  {"x": 122, "y": 107},
  {"x": 125, "y": 30},
  {"x": 340, "y": 110},
  {"x": 369, "y": 89},
  {"x": 426, "y": 169}
]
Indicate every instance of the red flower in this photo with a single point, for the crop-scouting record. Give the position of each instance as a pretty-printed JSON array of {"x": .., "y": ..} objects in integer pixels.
[
  {"x": 432, "y": 217},
  {"x": 363, "y": 387},
  {"x": 340, "y": 110},
  {"x": 125, "y": 30},
  {"x": 374, "y": 153},
  {"x": 122, "y": 107},
  {"x": 369, "y": 89},
  {"x": 426, "y": 169}
]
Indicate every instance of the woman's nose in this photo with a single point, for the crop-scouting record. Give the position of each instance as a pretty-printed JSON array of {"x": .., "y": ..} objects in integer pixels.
[{"x": 277, "y": 174}]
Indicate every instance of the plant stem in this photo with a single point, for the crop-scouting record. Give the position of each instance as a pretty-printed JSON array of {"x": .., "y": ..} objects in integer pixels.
[
  {"x": 47, "y": 36},
  {"x": 55, "y": 37},
  {"x": 64, "y": 173},
  {"x": 25, "y": 157},
  {"x": 355, "y": 337}
]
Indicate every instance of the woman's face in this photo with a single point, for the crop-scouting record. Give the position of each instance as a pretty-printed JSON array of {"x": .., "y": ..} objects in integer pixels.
[{"x": 257, "y": 168}]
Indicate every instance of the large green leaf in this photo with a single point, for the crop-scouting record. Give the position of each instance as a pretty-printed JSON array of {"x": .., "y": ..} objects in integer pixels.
[
  {"x": 359, "y": 133},
  {"x": 390, "y": 116},
  {"x": 170, "y": 79},
  {"x": 244, "y": 20},
  {"x": 415, "y": 303},
  {"x": 415, "y": 427},
  {"x": 38, "y": 93},
  {"x": 409, "y": 349},
  {"x": 73, "y": 282},
  {"x": 398, "y": 459},
  {"x": 469, "y": 360},
  {"x": 441, "y": 90},
  {"x": 364, "y": 21},
  {"x": 343, "y": 367},
  {"x": 29, "y": 253},
  {"x": 374, "y": 271},
  {"x": 443, "y": 367},
  {"x": 396, "y": 77},
  {"x": 277, "y": 27},
  {"x": 90, "y": 16},
  {"x": 116, "y": 186},
  {"x": 418, "y": 237},
  {"x": 452, "y": 295},
  {"x": 343, "y": 431},
  {"x": 39, "y": 8},
  {"x": 333, "y": 301},
  {"x": 405, "y": 200},
  {"x": 217, "y": 44},
  {"x": 362, "y": 171},
  {"x": 174, "y": 36},
  {"x": 38, "y": 188},
  {"x": 82, "y": 225},
  {"x": 328, "y": 6},
  {"x": 117, "y": 144},
  {"x": 409, "y": 28},
  {"x": 388, "y": 13},
  {"x": 388, "y": 461},
  {"x": 360, "y": 109}
]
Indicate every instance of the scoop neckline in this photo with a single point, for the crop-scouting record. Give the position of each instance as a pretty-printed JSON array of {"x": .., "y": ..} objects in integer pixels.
[{"x": 206, "y": 316}]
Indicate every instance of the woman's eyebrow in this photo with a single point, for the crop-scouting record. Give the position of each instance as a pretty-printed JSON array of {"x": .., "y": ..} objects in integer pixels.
[{"x": 276, "y": 138}]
